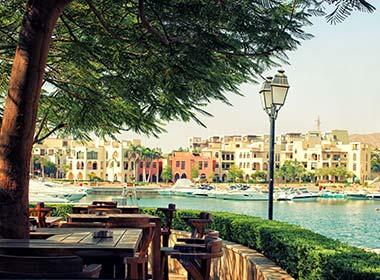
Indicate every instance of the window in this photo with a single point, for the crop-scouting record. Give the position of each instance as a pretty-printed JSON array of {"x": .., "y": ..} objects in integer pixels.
[
  {"x": 354, "y": 167},
  {"x": 148, "y": 164},
  {"x": 216, "y": 154},
  {"x": 125, "y": 165},
  {"x": 80, "y": 155},
  {"x": 177, "y": 164},
  {"x": 141, "y": 164},
  {"x": 42, "y": 152},
  {"x": 94, "y": 166},
  {"x": 51, "y": 152},
  {"x": 154, "y": 164},
  {"x": 183, "y": 165},
  {"x": 217, "y": 165},
  {"x": 205, "y": 164},
  {"x": 200, "y": 165},
  {"x": 92, "y": 155}
]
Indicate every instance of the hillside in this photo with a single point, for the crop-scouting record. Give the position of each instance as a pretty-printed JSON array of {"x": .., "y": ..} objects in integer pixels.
[{"x": 372, "y": 138}]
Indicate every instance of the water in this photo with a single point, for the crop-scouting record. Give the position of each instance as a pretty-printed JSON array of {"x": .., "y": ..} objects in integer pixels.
[{"x": 356, "y": 222}]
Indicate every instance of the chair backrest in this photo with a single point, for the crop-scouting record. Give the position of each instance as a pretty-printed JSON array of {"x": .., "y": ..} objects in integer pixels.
[
  {"x": 205, "y": 215},
  {"x": 142, "y": 223},
  {"x": 94, "y": 210},
  {"x": 41, "y": 212},
  {"x": 82, "y": 225},
  {"x": 169, "y": 214},
  {"x": 105, "y": 204},
  {"x": 61, "y": 267}
]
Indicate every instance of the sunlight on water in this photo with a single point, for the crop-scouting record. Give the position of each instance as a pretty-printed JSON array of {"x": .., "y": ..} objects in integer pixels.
[{"x": 354, "y": 222}]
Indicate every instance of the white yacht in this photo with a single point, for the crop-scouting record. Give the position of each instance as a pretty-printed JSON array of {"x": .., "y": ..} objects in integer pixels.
[
  {"x": 182, "y": 187},
  {"x": 374, "y": 196},
  {"x": 245, "y": 195},
  {"x": 303, "y": 194},
  {"x": 69, "y": 193}
]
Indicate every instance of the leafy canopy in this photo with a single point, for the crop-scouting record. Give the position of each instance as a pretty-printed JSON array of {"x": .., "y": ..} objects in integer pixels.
[{"x": 135, "y": 65}]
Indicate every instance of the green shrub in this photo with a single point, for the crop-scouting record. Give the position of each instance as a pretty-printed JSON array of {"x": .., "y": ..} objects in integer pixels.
[{"x": 302, "y": 253}]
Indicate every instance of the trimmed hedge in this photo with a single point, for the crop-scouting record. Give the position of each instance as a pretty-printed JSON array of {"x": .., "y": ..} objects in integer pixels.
[{"x": 302, "y": 253}]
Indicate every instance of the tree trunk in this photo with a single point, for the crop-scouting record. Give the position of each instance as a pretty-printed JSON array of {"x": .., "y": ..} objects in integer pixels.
[{"x": 19, "y": 118}]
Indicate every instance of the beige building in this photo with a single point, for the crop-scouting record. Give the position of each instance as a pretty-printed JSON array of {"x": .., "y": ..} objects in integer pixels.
[{"x": 313, "y": 150}]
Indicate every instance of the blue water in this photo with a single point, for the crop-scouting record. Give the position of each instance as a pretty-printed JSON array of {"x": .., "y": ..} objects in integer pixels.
[{"x": 355, "y": 222}]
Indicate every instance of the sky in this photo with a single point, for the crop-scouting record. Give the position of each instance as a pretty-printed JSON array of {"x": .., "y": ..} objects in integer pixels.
[{"x": 335, "y": 75}]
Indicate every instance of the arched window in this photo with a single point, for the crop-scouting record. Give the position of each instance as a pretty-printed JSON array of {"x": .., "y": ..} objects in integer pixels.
[{"x": 95, "y": 166}]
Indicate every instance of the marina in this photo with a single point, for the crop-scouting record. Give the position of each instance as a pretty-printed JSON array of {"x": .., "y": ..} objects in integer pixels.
[{"x": 356, "y": 222}]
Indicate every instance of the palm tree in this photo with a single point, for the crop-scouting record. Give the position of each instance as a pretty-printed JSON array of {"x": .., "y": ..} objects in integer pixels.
[
  {"x": 157, "y": 156},
  {"x": 145, "y": 156},
  {"x": 135, "y": 151}
]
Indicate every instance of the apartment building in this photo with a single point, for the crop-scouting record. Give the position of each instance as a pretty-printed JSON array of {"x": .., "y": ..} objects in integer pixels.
[
  {"x": 313, "y": 150},
  {"x": 182, "y": 164}
]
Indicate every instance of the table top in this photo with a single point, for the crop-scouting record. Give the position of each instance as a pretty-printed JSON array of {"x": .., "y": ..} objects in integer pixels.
[
  {"x": 124, "y": 241},
  {"x": 118, "y": 206},
  {"x": 107, "y": 216},
  {"x": 49, "y": 220}
]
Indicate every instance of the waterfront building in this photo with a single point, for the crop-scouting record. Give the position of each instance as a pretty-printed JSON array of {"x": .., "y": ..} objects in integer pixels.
[
  {"x": 182, "y": 164},
  {"x": 313, "y": 150}
]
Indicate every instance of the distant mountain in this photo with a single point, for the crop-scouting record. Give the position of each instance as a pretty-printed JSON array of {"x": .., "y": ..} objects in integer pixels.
[{"x": 371, "y": 138}]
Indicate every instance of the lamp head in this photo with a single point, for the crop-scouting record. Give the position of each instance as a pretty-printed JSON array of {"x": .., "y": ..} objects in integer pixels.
[{"x": 280, "y": 87}]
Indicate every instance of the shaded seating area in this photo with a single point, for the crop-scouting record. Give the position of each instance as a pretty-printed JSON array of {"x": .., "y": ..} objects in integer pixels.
[{"x": 102, "y": 241}]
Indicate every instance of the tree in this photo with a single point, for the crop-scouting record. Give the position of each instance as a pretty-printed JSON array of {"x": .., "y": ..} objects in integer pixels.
[
  {"x": 194, "y": 172},
  {"x": 235, "y": 173},
  {"x": 50, "y": 169},
  {"x": 167, "y": 174},
  {"x": 292, "y": 171},
  {"x": 375, "y": 161},
  {"x": 259, "y": 176},
  {"x": 155, "y": 62}
]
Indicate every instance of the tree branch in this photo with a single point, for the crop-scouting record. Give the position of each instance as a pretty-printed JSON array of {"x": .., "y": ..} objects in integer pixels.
[
  {"x": 146, "y": 24},
  {"x": 59, "y": 126}
]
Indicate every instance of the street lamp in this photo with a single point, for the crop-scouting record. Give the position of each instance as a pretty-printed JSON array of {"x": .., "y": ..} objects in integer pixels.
[{"x": 273, "y": 95}]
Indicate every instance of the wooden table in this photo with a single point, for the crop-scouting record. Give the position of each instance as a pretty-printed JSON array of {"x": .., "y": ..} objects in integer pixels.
[
  {"x": 156, "y": 242},
  {"x": 124, "y": 243},
  {"x": 124, "y": 209},
  {"x": 49, "y": 220}
]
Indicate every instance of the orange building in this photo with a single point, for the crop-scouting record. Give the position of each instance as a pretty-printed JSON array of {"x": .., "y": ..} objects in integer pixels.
[{"x": 182, "y": 163}]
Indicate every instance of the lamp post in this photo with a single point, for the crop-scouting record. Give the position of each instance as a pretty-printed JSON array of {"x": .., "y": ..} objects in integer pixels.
[{"x": 273, "y": 95}]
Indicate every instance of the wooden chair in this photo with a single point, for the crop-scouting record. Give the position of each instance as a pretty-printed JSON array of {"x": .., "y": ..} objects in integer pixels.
[
  {"x": 81, "y": 225},
  {"x": 196, "y": 260},
  {"x": 46, "y": 267},
  {"x": 105, "y": 204},
  {"x": 41, "y": 212},
  {"x": 166, "y": 228},
  {"x": 167, "y": 225},
  {"x": 137, "y": 266},
  {"x": 198, "y": 225},
  {"x": 94, "y": 210}
]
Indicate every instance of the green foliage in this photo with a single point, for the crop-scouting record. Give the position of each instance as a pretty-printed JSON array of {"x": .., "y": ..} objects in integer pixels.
[
  {"x": 235, "y": 173},
  {"x": 194, "y": 172},
  {"x": 338, "y": 172},
  {"x": 119, "y": 66},
  {"x": 259, "y": 176},
  {"x": 166, "y": 173},
  {"x": 375, "y": 161},
  {"x": 303, "y": 253},
  {"x": 292, "y": 171}
]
